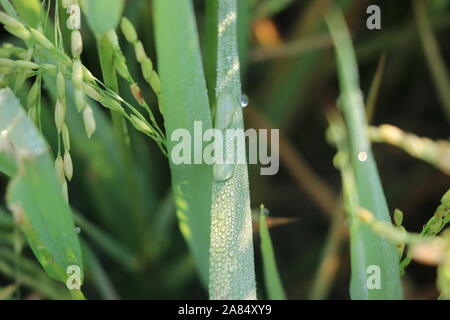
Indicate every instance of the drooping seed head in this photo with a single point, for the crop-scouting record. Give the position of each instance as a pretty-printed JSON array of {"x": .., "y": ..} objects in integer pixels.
[
  {"x": 48, "y": 68},
  {"x": 128, "y": 30},
  {"x": 76, "y": 44},
  {"x": 89, "y": 121},
  {"x": 33, "y": 94},
  {"x": 41, "y": 39},
  {"x": 66, "y": 137},
  {"x": 61, "y": 86},
  {"x": 80, "y": 101},
  {"x": 109, "y": 103},
  {"x": 14, "y": 26},
  {"x": 59, "y": 169},
  {"x": 140, "y": 52},
  {"x": 7, "y": 63},
  {"x": 77, "y": 74},
  {"x": 140, "y": 125},
  {"x": 155, "y": 83},
  {"x": 65, "y": 191},
  {"x": 147, "y": 69},
  {"x": 23, "y": 64},
  {"x": 121, "y": 66},
  {"x": 398, "y": 217},
  {"x": 60, "y": 114},
  {"x": 91, "y": 92},
  {"x": 391, "y": 133},
  {"x": 21, "y": 33},
  {"x": 87, "y": 75},
  {"x": 9, "y": 21},
  {"x": 137, "y": 93},
  {"x": 436, "y": 224},
  {"x": 68, "y": 166}
]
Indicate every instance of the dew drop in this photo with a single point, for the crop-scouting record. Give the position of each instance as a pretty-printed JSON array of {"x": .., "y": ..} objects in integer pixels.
[
  {"x": 4, "y": 133},
  {"x": 362, "y": 156},
  {"x": 244, "y": 100},
  {"x": 223, "y": 172},
  {"x": 77, "y": 230},
  {"x": 226, "y": 106}
]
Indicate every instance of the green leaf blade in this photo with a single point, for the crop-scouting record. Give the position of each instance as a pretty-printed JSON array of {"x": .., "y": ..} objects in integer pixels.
[
  {"x": 185, "y": 100},
  {"x": 34, "y": 193},
  {"x": 368, "y": 248},
  {"x": 272, "y": 279},
  {"x": 232, "y": 270}
]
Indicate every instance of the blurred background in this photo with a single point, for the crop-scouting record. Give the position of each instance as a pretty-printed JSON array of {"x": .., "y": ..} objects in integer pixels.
[{"x": 133, "y": 246}]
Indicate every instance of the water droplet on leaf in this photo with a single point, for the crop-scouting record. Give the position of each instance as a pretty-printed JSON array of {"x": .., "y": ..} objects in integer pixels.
[
  {"x": 244, "y": 100},
  {"x": 362, "y": 156},
  {"x": 223, "y": 172}
]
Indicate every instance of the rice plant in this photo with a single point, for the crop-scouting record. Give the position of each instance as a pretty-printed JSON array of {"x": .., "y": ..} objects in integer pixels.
[{"x": 97, "y": 99}]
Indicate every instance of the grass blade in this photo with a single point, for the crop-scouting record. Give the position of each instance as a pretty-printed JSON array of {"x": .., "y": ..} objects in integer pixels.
[
  {"x": 435, "y": 61},
  {"x": 6, "y": 222},
  {"x": 31, "y": 275},
  {"x": 272, "y": 279},
  {"x": 368, "y": 249},
  {"x": 7, "y": 292},
  {"x": 232, "y": 271},
  {"x": 108, "y": 244},
  {"x": 34, "y": 194},
  {"x": 374, "y": 89},
  {"x": 96, "y": 271},
  {"x": 185, "y": 100},
  {"x": 210, "y": 47}
]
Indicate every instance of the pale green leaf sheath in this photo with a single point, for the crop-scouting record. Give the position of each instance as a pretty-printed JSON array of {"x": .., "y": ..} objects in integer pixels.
[{"x": 232, "y": 271}]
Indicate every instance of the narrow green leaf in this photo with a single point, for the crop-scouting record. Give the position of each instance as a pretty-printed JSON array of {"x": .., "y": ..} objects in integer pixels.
[
  {"x": 97, "y": 273},
  {"x": 435, "y": 60},
  {"x": 34, "y": 193},
  {"x": 374, "y": 89},
  {"x": 108, "y": 244},
  {"x": 272, "y": 279},
  {"x": 210, "y": 47},
  {"x": 232, "y": 270},
  {"x": 7, "y": 292},
  {"x": 368, "y": 249},
  {"x": 185, "y": 100},
  {"x": 6, "y": 222},
  {"x": 31, "y": 275},
  {"x": 244, "y": 9},
  {"x": 7, "y": 165}
]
